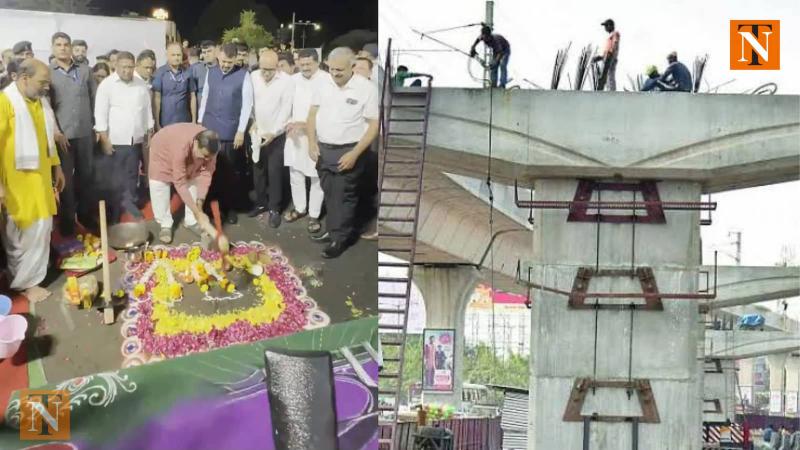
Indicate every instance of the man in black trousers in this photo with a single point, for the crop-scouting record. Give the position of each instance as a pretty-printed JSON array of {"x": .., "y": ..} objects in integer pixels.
[
  {"x": 273, "y": 92},
  {"x": 225, "y": 108},
  {"x": 342, "y": 123},
  {"x": 72, "y": 92}
]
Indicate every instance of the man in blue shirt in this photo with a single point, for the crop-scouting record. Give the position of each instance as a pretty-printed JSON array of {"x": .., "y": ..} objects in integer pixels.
[
  {"x": 72, "y": 94},
  {"x": 226, "y": 108},
  {"x": 501, "y": 51},
  {"x": 677, "y": 77},
  {"x": 651, "y": 83},
  {"x": 174, "y": 90}
]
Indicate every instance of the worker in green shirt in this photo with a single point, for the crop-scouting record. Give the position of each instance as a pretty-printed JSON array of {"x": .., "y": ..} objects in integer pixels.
[{"x": 402, "y": 75}]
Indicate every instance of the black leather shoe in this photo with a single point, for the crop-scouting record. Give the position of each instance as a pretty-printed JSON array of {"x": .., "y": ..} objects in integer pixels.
[
  {"x": 231, "y": 218},
  {"x": 274, "y": 219},
  {"x": 258, "y": 210},
  {"x": 323, "y": 238},
  {"x": 333, "y": 250}
]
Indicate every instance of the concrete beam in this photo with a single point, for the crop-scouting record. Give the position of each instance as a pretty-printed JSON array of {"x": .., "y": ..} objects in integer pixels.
[
  {"x": 722, "y": 141},
  {"x": 456, "y": 222},
  {"x": 741, "y": 285},
  {"x": 738, "y": 344}
]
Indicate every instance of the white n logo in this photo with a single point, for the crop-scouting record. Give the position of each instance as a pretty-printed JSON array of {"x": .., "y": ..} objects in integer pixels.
[
  {"x": 762, "y": 52},
  {"x": 46, "y": 416}
]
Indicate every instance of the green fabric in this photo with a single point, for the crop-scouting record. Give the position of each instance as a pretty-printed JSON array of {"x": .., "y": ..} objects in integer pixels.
[{"x": 400, "y": 78}]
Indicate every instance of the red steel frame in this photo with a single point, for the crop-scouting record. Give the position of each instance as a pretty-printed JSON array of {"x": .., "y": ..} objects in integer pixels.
[{"x": 579, "y": 206}]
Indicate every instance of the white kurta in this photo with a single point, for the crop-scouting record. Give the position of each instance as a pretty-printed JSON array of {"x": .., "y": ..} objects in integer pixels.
[{"x": 295, "y": 153}]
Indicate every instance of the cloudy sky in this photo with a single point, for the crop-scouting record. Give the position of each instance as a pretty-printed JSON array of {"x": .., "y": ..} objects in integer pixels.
[{"x": 537, "y": 31}]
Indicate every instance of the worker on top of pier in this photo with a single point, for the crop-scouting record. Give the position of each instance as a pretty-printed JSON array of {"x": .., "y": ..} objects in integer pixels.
[
  {"x": 609, "y": 57},
  {"x": 402, "y": 74},
  {"x": 651, "y": 83},
  {"x": 677, "y": 77},
  {"x": 501, "y": 51}
]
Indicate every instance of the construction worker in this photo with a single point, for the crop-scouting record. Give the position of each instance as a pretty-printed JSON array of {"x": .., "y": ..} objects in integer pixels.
[
  {"x": 501, "y": 51},
  {"x": 402, "y": 75},
  {"x": 608, "y": 79},
  {"x": 651, "y": 83},
  {"x": 677, "y": 77}
]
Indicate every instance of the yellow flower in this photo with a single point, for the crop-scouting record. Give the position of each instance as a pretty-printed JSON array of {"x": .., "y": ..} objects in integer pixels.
[
  {"x": 204, "y": 288},
  {"x": 138, "y": 290},
  {"x": 171, "y": 322},
  {"x": 161, "y": 293},
  {"x": 175, "y": 291}
]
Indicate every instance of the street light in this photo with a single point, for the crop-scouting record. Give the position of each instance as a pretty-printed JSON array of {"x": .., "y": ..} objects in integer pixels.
[
  {"x": 160, "y": 14},
  {"x": 302, "y": 24}
]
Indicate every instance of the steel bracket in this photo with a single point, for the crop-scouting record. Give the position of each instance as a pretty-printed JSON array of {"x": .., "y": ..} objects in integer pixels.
[
  {"x": 580, "y": 288},
  {"x": 579, "y": 212},
  {"x": 643, "y": 391}
]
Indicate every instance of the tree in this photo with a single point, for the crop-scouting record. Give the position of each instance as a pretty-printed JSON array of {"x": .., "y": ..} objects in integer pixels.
[
  {"x": 412, "y": 363},
  {"x": 482, "y": 367},
  {"x": 221, "y": 15},
  {"x": 249, "y": 32}
]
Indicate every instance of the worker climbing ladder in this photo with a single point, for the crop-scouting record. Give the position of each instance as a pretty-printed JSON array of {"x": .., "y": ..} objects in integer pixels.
[{"x": 404, "y": 127}]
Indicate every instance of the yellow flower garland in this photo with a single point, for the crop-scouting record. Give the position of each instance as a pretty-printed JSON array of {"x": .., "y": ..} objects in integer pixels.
[{"x": 169, "y": 322}]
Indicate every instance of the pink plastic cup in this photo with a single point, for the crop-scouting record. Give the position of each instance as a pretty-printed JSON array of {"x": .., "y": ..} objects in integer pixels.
[{"x": 12, "y": 333}]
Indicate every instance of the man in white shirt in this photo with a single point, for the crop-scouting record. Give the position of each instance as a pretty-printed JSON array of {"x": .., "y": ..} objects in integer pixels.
[
  {"x": 342, "y": 123},
  {"x": 123, "y": 117},
  {"x": 296, "y": 155},
  {"x": 225, "y": 108},
  {"x": 273, "y": 91},
  {"x": 370, "y": 51}
]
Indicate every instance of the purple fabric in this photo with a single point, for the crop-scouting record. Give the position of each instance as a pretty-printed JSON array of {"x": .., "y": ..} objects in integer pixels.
[{"x": 242, "y": 420}]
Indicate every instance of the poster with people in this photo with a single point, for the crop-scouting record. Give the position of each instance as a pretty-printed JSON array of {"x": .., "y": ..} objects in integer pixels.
[{"x": 438, "y": 359}]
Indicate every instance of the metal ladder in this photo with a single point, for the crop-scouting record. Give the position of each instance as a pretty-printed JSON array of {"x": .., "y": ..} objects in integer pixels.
[{"x": 404, "y": 128}]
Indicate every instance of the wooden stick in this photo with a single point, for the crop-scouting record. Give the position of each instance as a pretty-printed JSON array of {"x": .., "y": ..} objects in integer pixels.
[{"x": 108, "y": 308}]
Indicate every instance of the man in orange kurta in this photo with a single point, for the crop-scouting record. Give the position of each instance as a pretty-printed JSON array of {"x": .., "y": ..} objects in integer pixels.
[{"x": 27, "y": 194}]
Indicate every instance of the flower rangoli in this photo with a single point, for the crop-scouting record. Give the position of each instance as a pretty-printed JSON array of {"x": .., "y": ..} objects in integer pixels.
[{"x": 172, "y": 289}]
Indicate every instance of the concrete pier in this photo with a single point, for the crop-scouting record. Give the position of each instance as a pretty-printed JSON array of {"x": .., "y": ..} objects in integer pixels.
[
  {"x": 689, "y": 145},
  {"x": 664, "y": 343}
]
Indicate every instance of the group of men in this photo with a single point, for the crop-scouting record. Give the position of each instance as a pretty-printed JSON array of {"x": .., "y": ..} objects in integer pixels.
[
  {"x": 676, "y": 77},
  {"x": 210, "y": 130},
  {"x": 780, "y": 439}
]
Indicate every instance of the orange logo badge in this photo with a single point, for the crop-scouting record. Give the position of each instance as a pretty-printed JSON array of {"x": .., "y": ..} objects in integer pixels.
[
  {"x": 44, "y": 415},
  {"x": 755, "y": 44}
]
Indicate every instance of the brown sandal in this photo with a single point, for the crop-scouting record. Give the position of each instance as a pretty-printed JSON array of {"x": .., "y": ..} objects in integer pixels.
[
  {"x": 314, "y": 225},
  {"x": 293, "y": 216}
]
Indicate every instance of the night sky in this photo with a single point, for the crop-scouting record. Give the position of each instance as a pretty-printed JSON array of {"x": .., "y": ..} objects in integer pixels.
[{"x": 337, "y": 16}]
